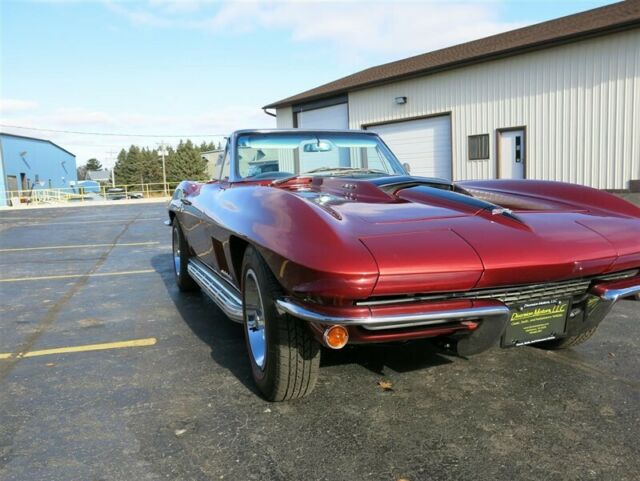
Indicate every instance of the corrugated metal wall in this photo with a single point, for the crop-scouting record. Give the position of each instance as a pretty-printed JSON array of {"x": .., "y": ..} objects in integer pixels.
[
  {"x": 284, "y": 119},
  {"x": 580, "y": 104}
]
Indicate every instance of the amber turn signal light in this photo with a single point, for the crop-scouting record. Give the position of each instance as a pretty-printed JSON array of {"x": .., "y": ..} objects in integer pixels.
[{"x": 336, "y": 337}]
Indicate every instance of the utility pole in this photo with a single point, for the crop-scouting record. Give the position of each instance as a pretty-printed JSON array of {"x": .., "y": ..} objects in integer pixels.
[
  {"x": 162, "y": 151},
  {"x": 112, "y": 157}
]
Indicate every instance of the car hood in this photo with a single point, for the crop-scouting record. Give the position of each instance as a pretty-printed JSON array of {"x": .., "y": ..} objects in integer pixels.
[{"x": 425, "y": 238}]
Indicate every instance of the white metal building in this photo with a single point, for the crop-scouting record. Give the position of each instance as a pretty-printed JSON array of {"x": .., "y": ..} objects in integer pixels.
[
  {"x": 212, "y": 157},
  {"x": 559, "y": 100}
]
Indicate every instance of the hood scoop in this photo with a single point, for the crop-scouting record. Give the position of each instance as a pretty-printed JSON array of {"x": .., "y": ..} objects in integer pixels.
[
  {"x": 399, "y": 199},
  {"x": 458, "y": 201}
]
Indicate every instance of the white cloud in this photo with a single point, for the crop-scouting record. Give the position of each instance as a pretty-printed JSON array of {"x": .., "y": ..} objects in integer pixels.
[
  {"x": 139, "y": 16},
  {"x": 385, "y": 27},
  {"x": 177, "y": 6},
  {"x": 10, "y": 106}
]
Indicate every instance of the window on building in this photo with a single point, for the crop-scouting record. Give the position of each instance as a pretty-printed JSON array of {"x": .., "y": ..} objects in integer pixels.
[{"x": 479, "y": 147}]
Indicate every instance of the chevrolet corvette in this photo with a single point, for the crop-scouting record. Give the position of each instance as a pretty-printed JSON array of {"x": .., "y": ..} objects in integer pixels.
[{"x": 316, "y": 239}]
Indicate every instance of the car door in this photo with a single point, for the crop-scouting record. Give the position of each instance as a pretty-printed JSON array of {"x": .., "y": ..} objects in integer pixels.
[
  {"x": 189, "y": 216},
  {"x": 213, "y": 238}
]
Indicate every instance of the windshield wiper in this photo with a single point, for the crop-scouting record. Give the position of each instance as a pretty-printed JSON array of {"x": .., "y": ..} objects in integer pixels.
[
  {"x": 324, "y": 169},
  {"x": 346, "y": 170}
]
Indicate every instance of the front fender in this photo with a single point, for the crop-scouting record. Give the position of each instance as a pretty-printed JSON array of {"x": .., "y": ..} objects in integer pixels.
[{"x": 310, "y": 251}]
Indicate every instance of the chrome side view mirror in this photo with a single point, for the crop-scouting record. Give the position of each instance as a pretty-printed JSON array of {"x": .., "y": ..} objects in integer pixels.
[{"x": 407, "y": 167}]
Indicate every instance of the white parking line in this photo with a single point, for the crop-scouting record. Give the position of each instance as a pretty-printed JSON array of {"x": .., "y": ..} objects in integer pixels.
[
  {"x": 75, "y": 276},
  {"x": 78, "y": 246},
  {"x": 80, "y": 223}
]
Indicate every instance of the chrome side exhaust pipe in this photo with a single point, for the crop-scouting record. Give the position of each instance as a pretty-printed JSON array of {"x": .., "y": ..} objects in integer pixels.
[{"x": 226, "y": 297}]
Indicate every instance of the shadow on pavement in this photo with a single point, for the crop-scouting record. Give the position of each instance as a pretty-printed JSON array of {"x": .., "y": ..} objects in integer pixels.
[
  {"x": 202, "y": 316},
  {"x": 399, "y": 357},
  {"x": 226, "y": 338}
]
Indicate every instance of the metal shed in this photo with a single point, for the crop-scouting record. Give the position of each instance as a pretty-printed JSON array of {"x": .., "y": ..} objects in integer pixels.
[{"x": 29, "y": 163}]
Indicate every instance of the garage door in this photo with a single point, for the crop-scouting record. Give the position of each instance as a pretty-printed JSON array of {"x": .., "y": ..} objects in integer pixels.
[
  {"x": 334, "y": 117},
  {"x": 424, "y": 144}
]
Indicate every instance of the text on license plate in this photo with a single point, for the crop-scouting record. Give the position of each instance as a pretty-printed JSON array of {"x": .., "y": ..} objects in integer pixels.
[{"x": 535, "y": 322}]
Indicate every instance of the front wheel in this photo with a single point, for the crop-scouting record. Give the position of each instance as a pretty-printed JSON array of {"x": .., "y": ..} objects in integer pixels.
[{"x": 285, "y": 358}]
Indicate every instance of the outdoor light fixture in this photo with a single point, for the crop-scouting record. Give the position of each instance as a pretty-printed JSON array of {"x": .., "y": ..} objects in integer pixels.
[{"x": 401, "y": 100}]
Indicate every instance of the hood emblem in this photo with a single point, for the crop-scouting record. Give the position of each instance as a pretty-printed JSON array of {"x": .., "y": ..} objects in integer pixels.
[{"x": 501, "y": 210}]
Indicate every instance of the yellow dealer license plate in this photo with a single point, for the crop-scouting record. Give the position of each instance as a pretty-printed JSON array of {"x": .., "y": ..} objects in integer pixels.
[{"x": 536, "y": 321}]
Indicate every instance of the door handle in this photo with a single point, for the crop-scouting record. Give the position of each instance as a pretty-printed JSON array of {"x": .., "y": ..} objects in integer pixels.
[{"x": 185, "y": 201}]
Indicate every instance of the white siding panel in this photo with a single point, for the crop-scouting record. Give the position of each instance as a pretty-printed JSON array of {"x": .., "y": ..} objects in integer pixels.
[
  {"x": 580, "y": 104},
  {"x": 284, "y": 118}
]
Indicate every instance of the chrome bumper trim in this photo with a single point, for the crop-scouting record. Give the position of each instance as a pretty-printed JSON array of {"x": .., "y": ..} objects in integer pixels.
[
  {"x": 224, "y": 296},
  {"x": 613, "y": 295},
  {"x": 391, "y": 321}
]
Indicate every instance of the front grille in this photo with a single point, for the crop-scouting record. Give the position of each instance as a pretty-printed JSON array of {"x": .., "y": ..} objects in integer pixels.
[{"x": 512, "y": 294}]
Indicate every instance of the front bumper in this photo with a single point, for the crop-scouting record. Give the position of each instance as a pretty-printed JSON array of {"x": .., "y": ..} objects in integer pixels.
[
  {"x": 415, "y": 315},
  {"x": 481, "y": 320},
  {"x": 613, "y": 291}
]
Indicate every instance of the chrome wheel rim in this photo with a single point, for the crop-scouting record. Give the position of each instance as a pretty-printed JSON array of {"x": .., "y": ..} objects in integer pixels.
[
  {"x": 176, "y": 251},
  {"x": 254, "y": 319}
]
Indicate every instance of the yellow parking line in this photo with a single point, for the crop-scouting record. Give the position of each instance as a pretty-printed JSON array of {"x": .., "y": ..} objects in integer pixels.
[
  {"x": 78, "y": 246},
  {"x": 72, "y": 276},
  {"x": 150, "y": 341}
]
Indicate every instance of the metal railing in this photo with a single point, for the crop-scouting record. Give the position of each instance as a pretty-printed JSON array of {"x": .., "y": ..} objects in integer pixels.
[{"x": 16, "y": 198}]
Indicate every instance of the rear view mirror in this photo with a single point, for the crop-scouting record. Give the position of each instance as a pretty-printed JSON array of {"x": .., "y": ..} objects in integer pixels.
[
  {"x": 320, "y": 146},
  {"x": 407, "y": 167}
]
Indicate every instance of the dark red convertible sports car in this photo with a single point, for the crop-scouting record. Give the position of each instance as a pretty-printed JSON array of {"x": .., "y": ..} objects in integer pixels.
[{"x": 322, "y": 238}]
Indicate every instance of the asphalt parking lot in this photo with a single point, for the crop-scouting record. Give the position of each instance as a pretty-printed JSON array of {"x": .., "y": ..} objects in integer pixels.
[{"x": 169, "y": 394}]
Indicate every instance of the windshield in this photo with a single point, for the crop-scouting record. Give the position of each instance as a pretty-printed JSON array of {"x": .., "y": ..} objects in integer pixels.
[{"x": 273, "y": 155}]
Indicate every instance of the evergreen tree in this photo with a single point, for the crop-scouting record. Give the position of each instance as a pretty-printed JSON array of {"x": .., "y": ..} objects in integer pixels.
[
  {"x": 144, "y": 166},
  {"x": 127, "y": 167},
  {"x": 93, "y": 164},
  {"x": 185, "y": 163},
  {"x": 150, "y": 167}
]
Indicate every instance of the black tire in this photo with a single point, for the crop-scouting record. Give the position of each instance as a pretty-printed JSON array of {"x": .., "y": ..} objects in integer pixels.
[
  {"x": 289, "y": 367},
  {"x": 180, "y": 257},
  {"x": 568, "y": 342}
]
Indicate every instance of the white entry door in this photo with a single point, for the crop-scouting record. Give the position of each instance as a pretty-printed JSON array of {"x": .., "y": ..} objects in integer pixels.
[
  {"x": 511, "y": 155},
  {"x": 425, "y": 144}
]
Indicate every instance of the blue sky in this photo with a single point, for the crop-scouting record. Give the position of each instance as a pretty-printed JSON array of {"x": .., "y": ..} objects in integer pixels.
[{"x": 167, "y": 67}]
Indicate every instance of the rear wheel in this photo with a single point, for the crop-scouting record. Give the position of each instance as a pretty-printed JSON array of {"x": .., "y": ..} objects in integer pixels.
[
  {"x": 284, "y": 356},
  {"x": 569, "y": 341},
  {"x": 180, "y": 250}
]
